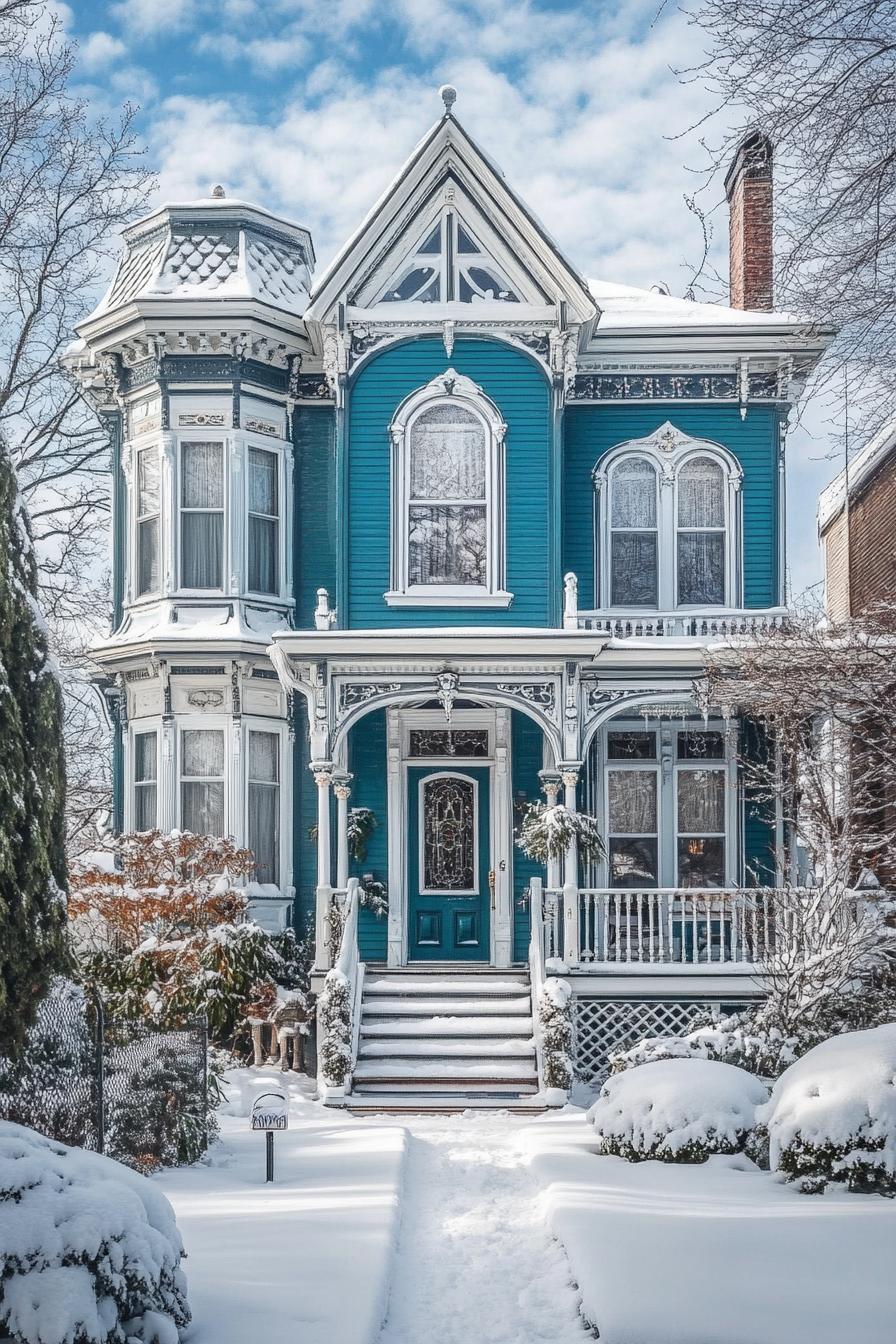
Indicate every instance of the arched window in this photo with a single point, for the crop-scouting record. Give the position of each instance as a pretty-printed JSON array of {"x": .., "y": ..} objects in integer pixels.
[
  {"x": 633, "y": 540},
  {"x": 448, "y": 493},
  {"x": 666, "y": 509},
  {"x": 700, "y": 551}
]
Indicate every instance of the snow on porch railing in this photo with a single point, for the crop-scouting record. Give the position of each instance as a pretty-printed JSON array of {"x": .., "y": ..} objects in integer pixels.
[
  {"x": 339, "y": 1005},
  {"x": 677, "y": 926},
  {"x": 680, "y": 625}
]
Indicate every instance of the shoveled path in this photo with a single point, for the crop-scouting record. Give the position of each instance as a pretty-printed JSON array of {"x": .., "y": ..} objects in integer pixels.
[{"x": 475, "y": 1261}]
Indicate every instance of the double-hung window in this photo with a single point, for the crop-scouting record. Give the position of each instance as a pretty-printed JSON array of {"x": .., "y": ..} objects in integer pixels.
[
  {"x": 634, "y": 536},
  {"x": 700, "y": 553},
  {"x": 264, "y": 521},
  {"x": 264, "y": 804},
  {"x": 148, "y": 546},
  {"x": 145, "y": 781},
  {"x": 202, "y": 515},
  {"x": 202, "y": 781}
]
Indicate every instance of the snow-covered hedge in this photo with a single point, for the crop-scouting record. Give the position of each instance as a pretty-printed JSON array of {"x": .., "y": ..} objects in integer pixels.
[
  {"x": 555, "y": 1008},
  {"x": 832, "y": 1114},
  {"x": 745, "y": 1040},
  {"x": 676, "y": 1110},
  {"x": 89, "y": 1251}
]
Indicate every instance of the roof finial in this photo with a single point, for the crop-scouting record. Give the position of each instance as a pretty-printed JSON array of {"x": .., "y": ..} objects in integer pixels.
[
  {"x": 448, "y": 95},
  {"x": 218, "y": 192}
]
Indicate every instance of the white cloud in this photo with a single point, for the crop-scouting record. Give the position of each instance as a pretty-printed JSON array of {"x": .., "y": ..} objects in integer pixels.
[
  {"x": 99, "y": 50},
  {"x": 148, "y": 18}
]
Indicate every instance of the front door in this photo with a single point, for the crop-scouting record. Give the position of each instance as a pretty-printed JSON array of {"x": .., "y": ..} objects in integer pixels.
[{"x": 449, "y": 898}]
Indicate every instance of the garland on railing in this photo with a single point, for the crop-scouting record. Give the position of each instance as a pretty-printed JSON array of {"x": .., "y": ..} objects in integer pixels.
[
  {"x": 555, "y": 1016},
  {"x": 335, "y": 1016},
  {"x": 547, "y": 832}
]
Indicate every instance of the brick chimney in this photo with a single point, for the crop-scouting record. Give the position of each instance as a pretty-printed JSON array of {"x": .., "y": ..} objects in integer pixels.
[{"x": 748, "y": 186}]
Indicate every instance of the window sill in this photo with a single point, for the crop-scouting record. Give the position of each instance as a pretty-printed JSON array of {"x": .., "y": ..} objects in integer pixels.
[{"x": 452, "y": 597}]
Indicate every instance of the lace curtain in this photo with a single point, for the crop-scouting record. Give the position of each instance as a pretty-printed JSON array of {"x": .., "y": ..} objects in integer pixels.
[
  {"x": 145, "y": 773},
  {"x": 202, "y": 782},
  {"x": 148, "y": 524},
  {"x": 264, "y": 805},
  {"x": 263, "y": 521},
  {"x": 701, "y": 554},
  {"x": 634, "y": 494},
  {"x": 632, "y": 802},
  {"x": 448, "y": 541},
  {"x": 633, "y": 548},
  {"x": 202, "y": 533},
  {"x": 701, "y": 802}
]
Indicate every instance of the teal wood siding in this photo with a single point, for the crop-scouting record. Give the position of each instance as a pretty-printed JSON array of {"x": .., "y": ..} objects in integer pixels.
[
  {"x": 759, "y": 814},
  {"x": 526, "y": 758},
  {"x": 519, "y": 389},
  {"x": 367, "y": 762},
  {"x": 591, "y": 431},
  {"x": 314, "y": 550},
  {"x": 304, "y": 812}
]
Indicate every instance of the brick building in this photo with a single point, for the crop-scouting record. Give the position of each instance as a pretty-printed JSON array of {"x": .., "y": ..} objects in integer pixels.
[{"x": 857, "y": 526}]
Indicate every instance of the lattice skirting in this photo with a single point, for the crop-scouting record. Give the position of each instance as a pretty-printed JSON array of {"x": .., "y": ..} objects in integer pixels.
[{"x": 604, "y": 1026}]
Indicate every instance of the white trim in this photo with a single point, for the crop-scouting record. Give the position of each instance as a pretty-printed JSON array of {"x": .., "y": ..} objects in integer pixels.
[{"x": 448, "y": 388}]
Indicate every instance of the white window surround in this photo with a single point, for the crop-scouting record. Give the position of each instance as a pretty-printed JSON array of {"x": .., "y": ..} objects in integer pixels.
[
  {"x": 449, "y": 388},
  {"x": 235, "y": 566},
  {"x": 667, "y": 450},
  {"x": 667, "y": 768},
  {"x": 236, "y": 783}
]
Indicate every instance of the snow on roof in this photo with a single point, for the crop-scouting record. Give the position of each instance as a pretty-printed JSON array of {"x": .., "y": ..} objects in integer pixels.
[
  {"x": 194, "y": 625},
  {"x": 854, "y": 475},
  {"x": 214, "y": 248},
  {"x": 625, "y": 307}
]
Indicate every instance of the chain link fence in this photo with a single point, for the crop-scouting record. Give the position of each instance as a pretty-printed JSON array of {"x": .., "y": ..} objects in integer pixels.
[{"x": 125, "y": 1088}]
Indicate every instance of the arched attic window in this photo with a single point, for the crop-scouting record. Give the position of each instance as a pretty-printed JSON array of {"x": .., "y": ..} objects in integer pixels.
[
  {"x": 667, "y": 525},
  {"x": 448, "y": 498}
]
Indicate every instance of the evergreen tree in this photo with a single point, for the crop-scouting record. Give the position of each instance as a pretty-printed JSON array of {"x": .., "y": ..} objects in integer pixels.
[{"x": 32, "y": 784}]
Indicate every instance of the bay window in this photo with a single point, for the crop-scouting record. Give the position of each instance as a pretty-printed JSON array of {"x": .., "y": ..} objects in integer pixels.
[
  {"x": 263, "y": 782},
  {"x": 145, "y": 781},
  {"x": 264, "y": 524},
  {"x": 202, "y": 515},
  {"x": 202, "y": 781},
  {"x": 148, "y": 540}
]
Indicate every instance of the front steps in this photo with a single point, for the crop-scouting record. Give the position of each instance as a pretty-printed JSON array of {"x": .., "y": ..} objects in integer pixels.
[{"x": 444, "y": 1041}]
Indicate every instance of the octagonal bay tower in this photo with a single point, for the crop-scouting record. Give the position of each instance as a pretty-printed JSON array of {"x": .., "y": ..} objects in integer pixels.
[{"x": 193, "y": 359}]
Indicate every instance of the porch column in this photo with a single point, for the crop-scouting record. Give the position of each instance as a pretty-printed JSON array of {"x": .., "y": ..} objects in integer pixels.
[
  {"x": 323, "y": 953},
  {"x": 569, "y": 774},
  {"x": 342, "y": 782},
  {"x": 550, "y": 782}
]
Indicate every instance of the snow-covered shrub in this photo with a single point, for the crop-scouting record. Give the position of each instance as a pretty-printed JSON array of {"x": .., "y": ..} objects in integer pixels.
[
  {"x": 832, "y": 1114},
  {"x": 746, "y": 1040},
  {"x": 159, "y": 1114},
  {"x": 89, "y": 1251},
  {"x": 547, "y": 832},
  {"x": 51, "y": 1088},
  {"x": 555, "y": 1008},
  {"x": 335, "y": 1018},
  {"x": 676, "y": 1110}
]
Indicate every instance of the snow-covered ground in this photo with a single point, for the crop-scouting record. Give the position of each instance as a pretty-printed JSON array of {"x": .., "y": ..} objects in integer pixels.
[
  {"x": 718, "y": 1253},
  {"x": 307, "y": 1258},
  {"x": 476, "y": 1263}
]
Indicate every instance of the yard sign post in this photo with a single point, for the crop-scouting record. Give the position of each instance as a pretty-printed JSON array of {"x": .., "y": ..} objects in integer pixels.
[{"x": 270, "y": 1111}]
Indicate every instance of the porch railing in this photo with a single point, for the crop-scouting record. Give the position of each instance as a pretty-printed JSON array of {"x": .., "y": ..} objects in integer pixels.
[
  {"x": 680, "y": 625},
  {"x": 665, "y": 926}
]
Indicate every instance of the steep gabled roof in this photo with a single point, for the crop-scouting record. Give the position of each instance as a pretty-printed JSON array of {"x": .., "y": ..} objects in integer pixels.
[{"x": 446, "y": 160}]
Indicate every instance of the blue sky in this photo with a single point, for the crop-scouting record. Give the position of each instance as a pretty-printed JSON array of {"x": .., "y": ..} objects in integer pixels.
[{"x": 310, "y": 106}]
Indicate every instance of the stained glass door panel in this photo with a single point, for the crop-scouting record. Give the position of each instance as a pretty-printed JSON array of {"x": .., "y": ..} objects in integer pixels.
[{"x": 449, "y": 898}]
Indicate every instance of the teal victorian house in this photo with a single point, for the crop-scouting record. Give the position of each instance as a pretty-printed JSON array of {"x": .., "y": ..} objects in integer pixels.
[{"x": 408, "y": 545}]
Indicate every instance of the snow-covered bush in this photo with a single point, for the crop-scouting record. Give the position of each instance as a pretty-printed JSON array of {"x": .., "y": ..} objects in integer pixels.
[
  {"x": 335, "y": 1018},
  {"x": 89, "y": 1251},
  {"x": 555, "y": 1008},
  {"x": 746, "y": 1040},
  {"x": 832, "y": 1114},
  {"x": 159, "y": 1114},
  {"x": 676, "y": 1110},
  {"x": 547, "y": 832}
]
